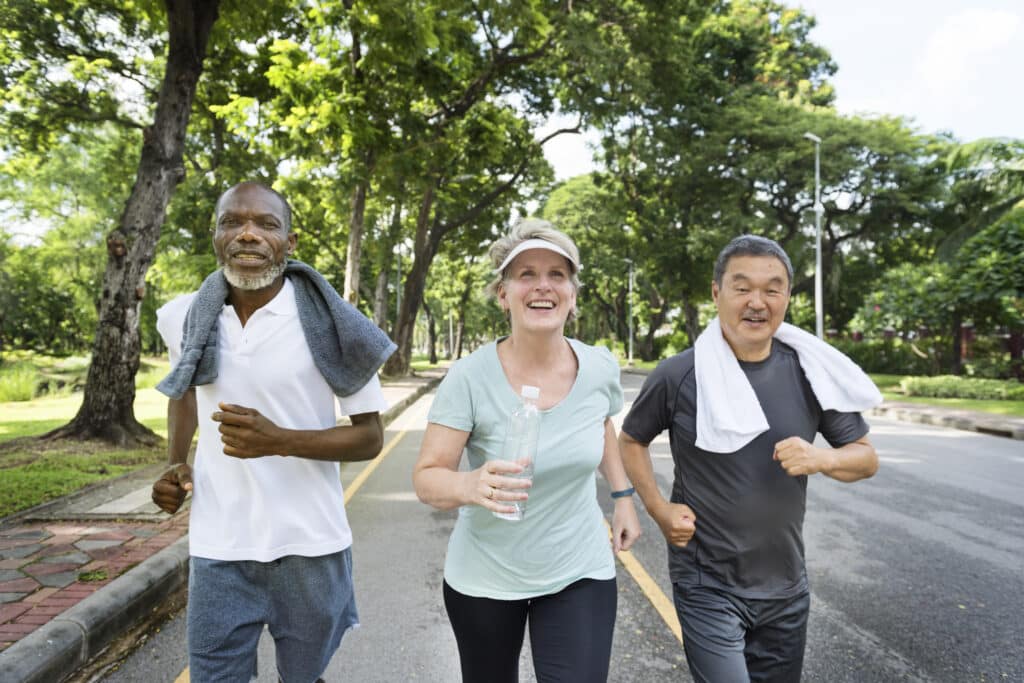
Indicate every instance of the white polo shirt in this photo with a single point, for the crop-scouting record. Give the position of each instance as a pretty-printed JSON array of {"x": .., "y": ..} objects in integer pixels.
[{"x": 265, "y": 508}]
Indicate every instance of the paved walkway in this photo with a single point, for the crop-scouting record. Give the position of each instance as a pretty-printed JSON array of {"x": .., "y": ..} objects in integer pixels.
[{"x": 78, "y": 572}]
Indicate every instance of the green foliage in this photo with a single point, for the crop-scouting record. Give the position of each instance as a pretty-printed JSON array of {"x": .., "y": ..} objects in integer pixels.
[
  {"x": 18, "y": 382},
  {"x": 988, "y": 181},
  {"x": 909, "y": 298},
  {"x": 894, "y": 356},
  {"x": 991, "y": 272},
  {"x": 950, "y": 386}
]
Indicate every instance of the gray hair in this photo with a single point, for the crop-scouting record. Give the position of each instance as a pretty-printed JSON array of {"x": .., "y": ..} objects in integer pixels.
[
  {"x": 532, "y": 228},
  {"x": 751, "y": 245}
]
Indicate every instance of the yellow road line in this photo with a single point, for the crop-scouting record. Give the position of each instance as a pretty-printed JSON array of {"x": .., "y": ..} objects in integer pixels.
[
  {"x": 649, "y": 587},
  {"x": 350, "y": 491}
]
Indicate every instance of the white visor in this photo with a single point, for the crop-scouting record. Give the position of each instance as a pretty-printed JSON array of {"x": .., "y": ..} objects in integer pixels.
[{"x": 536, "y": 243}]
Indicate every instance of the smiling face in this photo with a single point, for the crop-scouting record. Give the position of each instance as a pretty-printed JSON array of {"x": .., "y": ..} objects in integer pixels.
[
  {"x": 752, "y": 302},
  {"x": 252, "y": 240},
  {"x": 537, "y": 291}
]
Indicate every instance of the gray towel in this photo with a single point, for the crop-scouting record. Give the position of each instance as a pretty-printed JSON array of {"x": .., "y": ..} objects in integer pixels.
[{"x": 347, "y": 348}]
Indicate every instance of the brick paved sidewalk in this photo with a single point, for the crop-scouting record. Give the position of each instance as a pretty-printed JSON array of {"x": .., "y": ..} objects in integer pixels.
[{"x": 48, "y": 567}]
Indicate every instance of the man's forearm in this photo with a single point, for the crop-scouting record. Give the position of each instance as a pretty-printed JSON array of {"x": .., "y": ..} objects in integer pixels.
[
  {"x": 182, "y": 422},
  {"x": 362, "y": 440},
  {"x": 853, "y": 462}
]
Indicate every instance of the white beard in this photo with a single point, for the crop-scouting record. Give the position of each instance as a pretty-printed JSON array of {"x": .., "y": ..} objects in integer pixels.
[{"x": 253, "y": 282}]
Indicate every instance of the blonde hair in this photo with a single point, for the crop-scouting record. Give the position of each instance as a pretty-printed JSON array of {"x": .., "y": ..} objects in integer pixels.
[{"x": 532, "y": 228}]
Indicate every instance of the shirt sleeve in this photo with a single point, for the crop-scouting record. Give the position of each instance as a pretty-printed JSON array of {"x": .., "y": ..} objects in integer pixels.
[
  {"x": 369, "y": 398},
  {"x": 170, "y": 321},
  {"x": 840, "y": 429},
  {"x": 614, "y": 385},
  {"x": 651, "y": 411},
  {"x": 453, "y": 403}
]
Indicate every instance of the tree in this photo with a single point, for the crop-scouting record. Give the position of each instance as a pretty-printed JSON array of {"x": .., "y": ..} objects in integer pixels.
[
  {"x": 990, "y": 282},
  {"x": 64, "y": 34},
  {"x": 988, "y": 182}
]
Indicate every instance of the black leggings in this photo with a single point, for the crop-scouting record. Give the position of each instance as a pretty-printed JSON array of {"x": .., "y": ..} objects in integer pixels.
[{"x": 570, "y": 633}]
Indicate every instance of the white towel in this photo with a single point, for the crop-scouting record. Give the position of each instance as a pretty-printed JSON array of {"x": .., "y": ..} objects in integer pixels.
[{"x": 729, "y": 415}]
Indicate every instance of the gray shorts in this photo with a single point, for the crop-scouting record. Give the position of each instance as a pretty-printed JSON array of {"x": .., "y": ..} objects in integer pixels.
[
  {"x": 729, "y": 639},
  {"x": 307, "y": 603}
]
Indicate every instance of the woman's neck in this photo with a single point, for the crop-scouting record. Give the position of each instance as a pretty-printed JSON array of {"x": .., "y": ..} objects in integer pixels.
[
  {"x": 544, "y": 361},
  {"x": 536, "y": 349}
]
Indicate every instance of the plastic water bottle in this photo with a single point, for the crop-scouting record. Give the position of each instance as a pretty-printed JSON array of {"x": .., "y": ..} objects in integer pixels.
[{"x": 521, "y": 443}]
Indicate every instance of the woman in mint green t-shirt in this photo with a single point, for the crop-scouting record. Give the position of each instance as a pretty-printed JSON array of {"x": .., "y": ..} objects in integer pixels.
[{"x": 554, "y": 568}]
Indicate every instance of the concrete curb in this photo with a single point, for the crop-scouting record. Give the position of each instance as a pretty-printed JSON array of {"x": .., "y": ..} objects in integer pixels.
[
  {"x": 57, "y": 649},
  {"x": 72, "y": 638},
  {"x": 992, "y": 426},
  {"x": 389, "y": 415}
]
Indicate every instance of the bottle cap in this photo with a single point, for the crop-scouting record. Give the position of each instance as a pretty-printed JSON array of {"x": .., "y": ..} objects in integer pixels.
[{"x": 529, "y": 392}]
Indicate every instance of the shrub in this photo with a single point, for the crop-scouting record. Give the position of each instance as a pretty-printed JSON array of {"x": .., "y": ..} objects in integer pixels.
[
  {"x": 892, "y": 356},
  {"x": 950, "y": 386},
  {"x": 18, "y": 382}
]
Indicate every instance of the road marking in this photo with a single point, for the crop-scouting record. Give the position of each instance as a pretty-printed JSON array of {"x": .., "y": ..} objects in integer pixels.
[
  {"x": 651, "y": 590},
  {"x": 350, "y": 491}
]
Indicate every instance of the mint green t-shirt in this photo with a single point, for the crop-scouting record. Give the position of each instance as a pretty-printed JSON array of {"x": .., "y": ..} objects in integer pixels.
[{"x": 562, "y": 537}]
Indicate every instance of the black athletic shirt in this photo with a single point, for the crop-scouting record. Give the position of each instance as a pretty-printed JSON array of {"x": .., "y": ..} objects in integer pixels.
[{"x": 749, "y": 537}]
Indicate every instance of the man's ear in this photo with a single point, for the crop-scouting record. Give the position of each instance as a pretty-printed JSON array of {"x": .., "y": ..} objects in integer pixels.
[
  {"x": 714, "y": 291},
  {"x": 292, "y": 241}
]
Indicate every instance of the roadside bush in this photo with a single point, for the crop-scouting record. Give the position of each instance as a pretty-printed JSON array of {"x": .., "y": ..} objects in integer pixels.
[
  {"x": 892, "y": 356},
  {"x": 18, "y": 382},
  {"x": 950, "y": 386}
]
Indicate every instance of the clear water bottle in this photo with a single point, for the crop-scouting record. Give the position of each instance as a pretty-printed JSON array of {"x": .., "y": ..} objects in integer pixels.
[{"x": 521, "y": 443}]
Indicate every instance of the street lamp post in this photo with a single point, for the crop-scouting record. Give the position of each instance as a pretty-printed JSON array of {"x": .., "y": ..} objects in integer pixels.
[
  {"x": 629, "y": 360},
  {"x": 819, "y": 315}
]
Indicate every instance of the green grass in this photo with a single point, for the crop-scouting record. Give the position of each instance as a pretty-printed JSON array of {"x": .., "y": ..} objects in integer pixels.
[
  {"x": 40, "y": 415},
  {"x": 64, "y": 470},
  {"x": 890, "y": 388},
  {"x": 34, "y": 472},
  {"x": 18, "y": 382},
  {"x": 1008, "y": 408},
  {"x": 419, "y": 363}
]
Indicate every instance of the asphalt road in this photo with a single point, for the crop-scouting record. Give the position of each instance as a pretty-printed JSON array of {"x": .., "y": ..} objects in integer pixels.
[{"x": 916, "y": 575}]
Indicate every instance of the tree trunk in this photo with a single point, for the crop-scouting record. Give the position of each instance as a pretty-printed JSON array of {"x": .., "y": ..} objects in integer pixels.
[
  {"x": 460, "y": 333},
  {"x": 460, "y": 329},
  {"x": 353, "y": 255},
  {"x": 654, "y": 322},
  {"x": 692, "y": 316},
  {"x": 427, "y": 240},
  {"x": 956, "y": 364},
  {"x": 431, "y": 333},
  {"x": 107, "y": 408},
  {"x": 380, "y": 297}
]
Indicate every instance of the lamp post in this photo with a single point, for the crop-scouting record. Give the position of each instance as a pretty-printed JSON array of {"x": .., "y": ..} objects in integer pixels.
[
  {"x": 629, "y": 360},
  {"x": 819, "y": 315}
]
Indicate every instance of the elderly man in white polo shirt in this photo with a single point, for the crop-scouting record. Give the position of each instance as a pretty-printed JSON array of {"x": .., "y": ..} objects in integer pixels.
[{"x": 259, "y": 354}]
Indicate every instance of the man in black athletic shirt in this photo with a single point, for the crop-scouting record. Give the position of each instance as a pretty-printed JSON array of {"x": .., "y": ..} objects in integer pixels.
[{"x": 734, "y": 521}]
